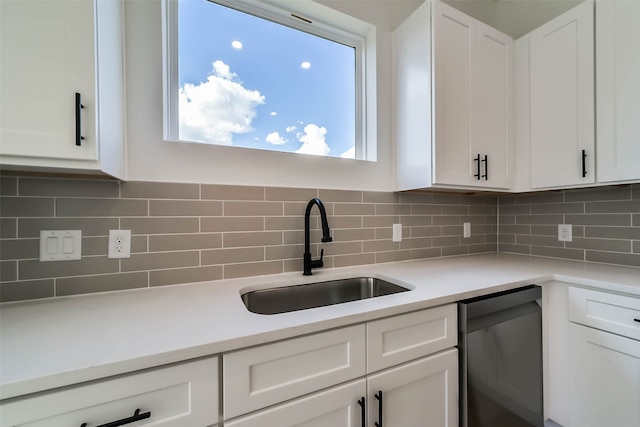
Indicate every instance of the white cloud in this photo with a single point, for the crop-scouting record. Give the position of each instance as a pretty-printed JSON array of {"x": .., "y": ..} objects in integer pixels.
[
  {"x": 236, "y": 44},
  {"x": 275, "y": 139},
  {"x": 306, "y": 65},
  {"x": 212, "y": 111},
  {"x": 223, "y": 71},
  {"x": 349, "y": 154},
  {"x": 291, "y": 128},
  {"x": 273, "y": 113},
  {"x": 313, "y": 140}
]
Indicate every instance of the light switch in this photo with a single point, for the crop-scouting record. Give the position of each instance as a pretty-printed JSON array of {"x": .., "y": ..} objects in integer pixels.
[
  {"x": 67, "y": 245},
  {"x": 52, "y": 245},
  {"x": 60, "y": 245}
]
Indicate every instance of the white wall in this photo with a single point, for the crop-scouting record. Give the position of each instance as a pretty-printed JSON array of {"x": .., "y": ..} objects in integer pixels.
[{"x": 153, "y": 159}]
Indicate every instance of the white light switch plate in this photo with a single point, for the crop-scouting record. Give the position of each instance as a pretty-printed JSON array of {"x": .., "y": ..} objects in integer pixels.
[
  {"x": 60, "y": 245},
  {"x": 397, "y": 233}
]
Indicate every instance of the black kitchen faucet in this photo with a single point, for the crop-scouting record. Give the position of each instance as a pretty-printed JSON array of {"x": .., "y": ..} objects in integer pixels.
[{"x": 326, "y": 237}]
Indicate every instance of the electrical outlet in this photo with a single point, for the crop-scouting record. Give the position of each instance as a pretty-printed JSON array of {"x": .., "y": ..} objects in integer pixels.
[
  {"x": 397, "y": 233},
  {"x": 119, "y": 244},
  {"x": 564, "y": 233},
  {"x": 466, "y": 230}
]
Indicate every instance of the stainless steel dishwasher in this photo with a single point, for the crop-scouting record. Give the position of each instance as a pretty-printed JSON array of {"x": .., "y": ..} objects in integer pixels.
[{"x": 500, "y": 347}]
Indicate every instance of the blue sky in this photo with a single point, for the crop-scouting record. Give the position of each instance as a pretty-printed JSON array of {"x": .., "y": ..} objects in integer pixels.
[{"x": 242, "y": 83}]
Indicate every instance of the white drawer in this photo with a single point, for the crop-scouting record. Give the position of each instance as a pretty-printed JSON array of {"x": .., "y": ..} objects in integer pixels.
[
  {"x": 261, "y": 376},
  {"x": 335, "y": 407},
  {"x": 610, "y": 312},
  {"x": 406, "y": 337},
  {"x": 184, "y": 395}
]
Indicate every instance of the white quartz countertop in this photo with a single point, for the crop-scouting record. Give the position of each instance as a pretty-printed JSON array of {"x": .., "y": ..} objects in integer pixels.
[{"x": 52, "y": 343}]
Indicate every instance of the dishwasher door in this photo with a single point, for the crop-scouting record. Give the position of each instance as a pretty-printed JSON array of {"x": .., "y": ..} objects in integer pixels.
[{"x": 500, "y": 347}]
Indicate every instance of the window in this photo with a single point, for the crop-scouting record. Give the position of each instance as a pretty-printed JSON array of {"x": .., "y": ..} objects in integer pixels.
[{"x": 250, "y": 74}]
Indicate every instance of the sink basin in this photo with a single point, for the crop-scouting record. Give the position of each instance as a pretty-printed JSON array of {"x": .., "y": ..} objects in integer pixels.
[{"x": 320, "y": 294}]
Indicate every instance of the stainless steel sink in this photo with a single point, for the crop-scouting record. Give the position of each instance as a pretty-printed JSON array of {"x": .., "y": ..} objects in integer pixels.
[{"x": 320, "y": 294}]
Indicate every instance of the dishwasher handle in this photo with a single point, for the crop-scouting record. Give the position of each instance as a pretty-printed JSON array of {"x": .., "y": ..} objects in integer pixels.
[{"x": 488, "y": 304}]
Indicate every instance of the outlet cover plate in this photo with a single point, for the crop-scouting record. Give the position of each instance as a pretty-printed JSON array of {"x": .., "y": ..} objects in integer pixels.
[
  {"x": 119, "y": 244},
  {"x": 564, "y": 233}
]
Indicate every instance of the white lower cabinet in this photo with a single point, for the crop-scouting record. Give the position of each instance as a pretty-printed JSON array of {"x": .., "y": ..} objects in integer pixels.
[
  {"x": 335, "y": 407},
  {"x": 606, "y": 379},
  {"x": 604, "y": 338},
  {"x": 257, "y": 377},
  {"x": 420, "y": 393},
  {"x": 331, "y": 379},
  {"x": 181, "y": 395}
]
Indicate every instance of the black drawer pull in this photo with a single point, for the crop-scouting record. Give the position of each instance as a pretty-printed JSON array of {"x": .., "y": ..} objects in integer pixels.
[
  {"x": 363, "y": 411},
  {"x": 137, "y": 416},
  {"x": 477, "y": 159},
  {"x": 636, "y": 320},
  {"x": 486, "y": 167},
  {"x": 79, "y": 108},
  {"x": 378, "y": 396}
]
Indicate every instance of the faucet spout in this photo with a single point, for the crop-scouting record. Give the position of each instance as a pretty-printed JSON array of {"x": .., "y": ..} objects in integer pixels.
[{"x": 326, "y": 236}]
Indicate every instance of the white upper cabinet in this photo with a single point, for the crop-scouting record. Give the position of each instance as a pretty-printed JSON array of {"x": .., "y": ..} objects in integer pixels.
[
  {"x": 562, "y": 100},
  {"x": 62, "y": 85},
  {"x": 454, "y": 95},
  {"x": 453, "y": 79},
  {"x": 618, "y": 90},
  {"x": 495, "y": 119}
]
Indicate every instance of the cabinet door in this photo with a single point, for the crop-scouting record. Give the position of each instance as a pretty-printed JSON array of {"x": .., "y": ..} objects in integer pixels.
[
  {"x": 618, "y": 90},
  {"x": 257, "y": 377},
  {"x": 562, "y": 100},
  {"x": 399, "y": 339},
  {"x": 181, "y": 395},
  {"x": 605, "y": 378},
  {"x": 454, "y": 95},
  {"x": 420, "y": 393},
  {"x": 47, "y": 55},
  {"x": 495, "y": 130},
  {"x": 335, "y": 407}
]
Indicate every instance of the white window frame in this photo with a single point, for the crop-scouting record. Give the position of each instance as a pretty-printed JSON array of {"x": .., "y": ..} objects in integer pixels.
[{"x": 302, "y": 15}]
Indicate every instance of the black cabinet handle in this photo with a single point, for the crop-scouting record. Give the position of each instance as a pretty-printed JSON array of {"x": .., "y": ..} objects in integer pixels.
[
  {"x": 363, "y": 411},
  {"x": 584, "y": 163},
  {"x": 477, "y": 160},
  {"x": 79, "y": 108},
  {"x": 636, "y": 320},
  {"x": 378, "y": 396},
  {"x": 486, "y": 167},
  {"x": 137, "y": 416}
]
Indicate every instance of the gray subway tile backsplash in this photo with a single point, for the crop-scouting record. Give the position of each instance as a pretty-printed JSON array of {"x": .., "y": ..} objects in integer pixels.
[
  {"x": 73, "y": 207},
  {"x": 101, "y": 283},
  {"x": 201, "y": 232},
  {"x": 602, "y": 220},
  {"x": 26, "y": 207},
  {"x": 30, "y": 227},
  {"x": 8, "y": 228},
  {"x": 159, "y": 190},
  {"x": 68, "y": 188},
  {"x": 9, "y": 186},
  {"x": 27, "y": 290}
]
